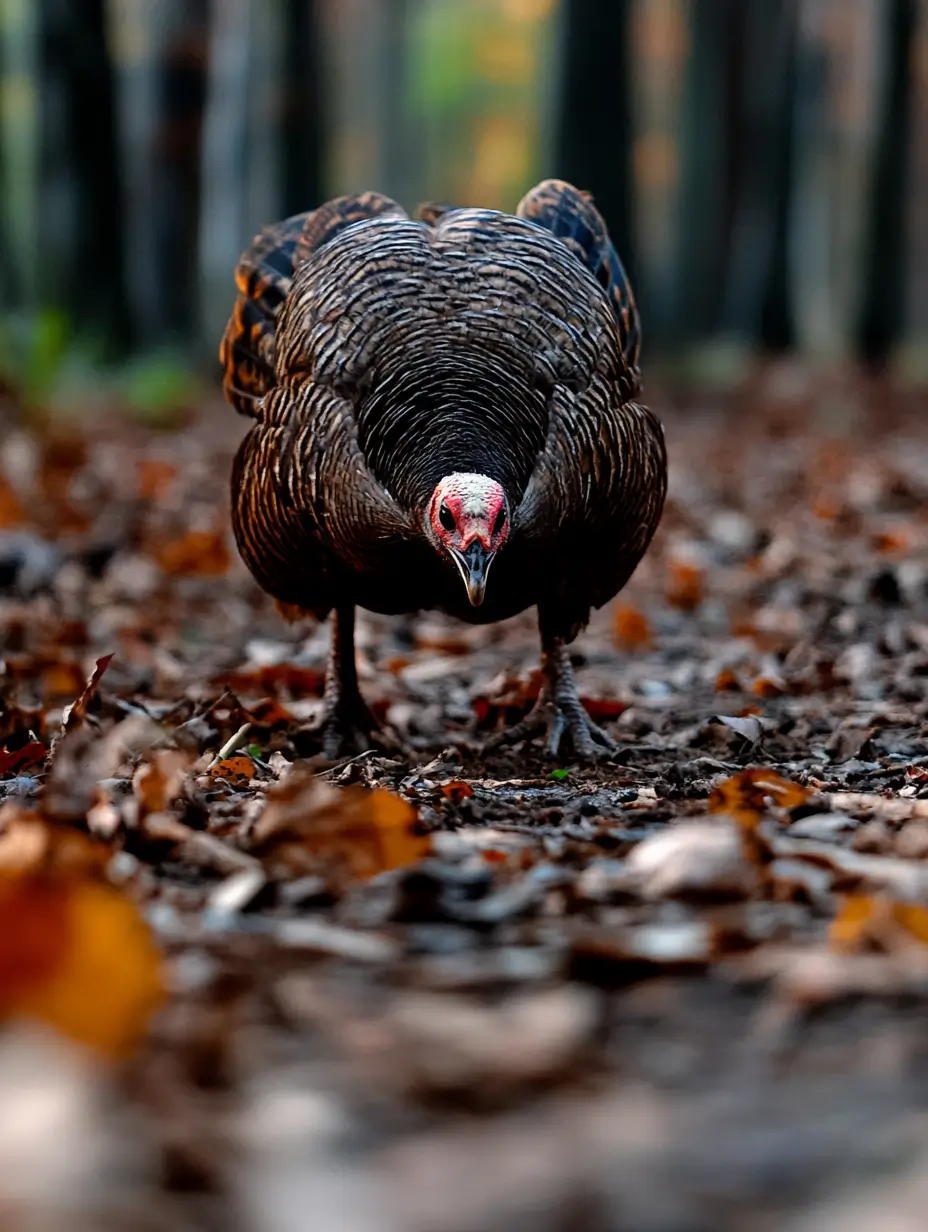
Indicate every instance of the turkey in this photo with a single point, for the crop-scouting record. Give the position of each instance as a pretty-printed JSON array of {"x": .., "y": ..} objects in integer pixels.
[{"x": 446, "y": 418}]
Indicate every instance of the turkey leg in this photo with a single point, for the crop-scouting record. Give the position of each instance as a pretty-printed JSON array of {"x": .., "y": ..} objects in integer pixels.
[
  {"x": 559, "y": 710},
  {"x": 347, "y": 724}
]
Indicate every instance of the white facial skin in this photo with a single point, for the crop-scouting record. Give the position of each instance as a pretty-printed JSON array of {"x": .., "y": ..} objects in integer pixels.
[{"x": 468, "y": 517}]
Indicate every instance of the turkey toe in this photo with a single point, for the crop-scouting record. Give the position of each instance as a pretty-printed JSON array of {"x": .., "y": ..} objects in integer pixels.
[{"x": 555, "y": 721}]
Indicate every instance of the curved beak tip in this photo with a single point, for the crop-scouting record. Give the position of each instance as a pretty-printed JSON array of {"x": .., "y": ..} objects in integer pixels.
[
  {"x": 476, "y": 592},
  {"x": 474, "y": 565}
]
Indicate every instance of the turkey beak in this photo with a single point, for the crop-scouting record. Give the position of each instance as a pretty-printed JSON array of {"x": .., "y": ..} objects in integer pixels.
[{"x": 474, "y": 565}]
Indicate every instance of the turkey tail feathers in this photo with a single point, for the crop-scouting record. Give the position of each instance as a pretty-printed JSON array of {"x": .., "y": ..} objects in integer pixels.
[
  {"x": 571, "y": 216},
  {"x": 264, "y": 276}
]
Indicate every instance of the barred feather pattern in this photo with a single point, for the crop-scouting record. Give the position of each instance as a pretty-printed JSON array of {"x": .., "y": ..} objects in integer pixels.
[{"x": 379, "y": 353}]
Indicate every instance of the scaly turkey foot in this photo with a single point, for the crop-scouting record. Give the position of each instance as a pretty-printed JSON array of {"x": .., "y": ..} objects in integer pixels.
[
  {"x": 347, "y": 726},
  {"x": 558, "y": 712}
]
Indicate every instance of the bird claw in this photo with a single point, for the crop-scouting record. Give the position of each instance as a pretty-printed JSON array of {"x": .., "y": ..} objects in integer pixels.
[
  {"x": 348, "y": 729},
  {"x": 555, "y": 720}
]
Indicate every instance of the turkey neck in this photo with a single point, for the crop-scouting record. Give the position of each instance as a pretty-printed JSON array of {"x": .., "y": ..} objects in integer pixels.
[{"x": 451, "y": 408}]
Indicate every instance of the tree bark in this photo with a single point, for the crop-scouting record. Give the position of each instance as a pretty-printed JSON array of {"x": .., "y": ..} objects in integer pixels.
[
  {"x": 593, "y": 128},
  {"x": 80, "y": 200}
]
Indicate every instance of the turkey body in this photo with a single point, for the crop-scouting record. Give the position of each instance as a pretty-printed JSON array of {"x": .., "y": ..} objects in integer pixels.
[{"x": 379, "y": 354}]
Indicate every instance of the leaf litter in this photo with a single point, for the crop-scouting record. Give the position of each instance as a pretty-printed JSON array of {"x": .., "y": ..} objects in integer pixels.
[{"x": 278, "y": 971}]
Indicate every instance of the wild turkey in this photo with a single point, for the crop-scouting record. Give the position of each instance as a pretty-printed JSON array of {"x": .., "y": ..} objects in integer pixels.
[{"x": 433, "y": 397}]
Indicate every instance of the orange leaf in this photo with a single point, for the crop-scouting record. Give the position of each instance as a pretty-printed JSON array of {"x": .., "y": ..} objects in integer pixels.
[
  {"x": 684, "y": 585},
  {"x": 74, "y": 952},
  {"x": 866, "y": 921},
  {"x": 158, "y": 782},
  {"x": 240, "y": 767},
  {"x": 630, "y": 629},
  {"x": 457, "y": 791},
  {"x": 894, "y": 542},
  {"x": 77, "y": 955},
  {"x": 727, "y": 682},
  {"x": 764, "y": 686},
  {"x": 748, "y": 795},
  {"x": 308, "y": 824},
  {"x": 11, "y": 511},
  {"x": 202, "y": 552},
  {"x": 154, "y": 477}
]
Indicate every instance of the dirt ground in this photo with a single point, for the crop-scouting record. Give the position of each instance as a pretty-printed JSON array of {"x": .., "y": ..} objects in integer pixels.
[{"x": 424, "y": 991}]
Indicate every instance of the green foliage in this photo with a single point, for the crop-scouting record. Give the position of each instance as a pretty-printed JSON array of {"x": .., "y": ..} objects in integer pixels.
[
  {"x": 156, "y": 385},
  {"x": 50, "y": 368},
  {"x": 32, "y": 352},
  {"x": 559, "y": 775}
]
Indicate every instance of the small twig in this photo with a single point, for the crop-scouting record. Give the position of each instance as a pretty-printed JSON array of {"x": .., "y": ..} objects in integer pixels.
[
  {"x": 233, "y": 743},
  {"x": 203, "y": 713}
]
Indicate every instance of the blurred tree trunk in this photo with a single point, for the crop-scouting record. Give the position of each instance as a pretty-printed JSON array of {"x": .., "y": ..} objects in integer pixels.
[
  {"x": 241, "y": 163},
  {"x": 160, "y": 56},
  {"x": 302, "y": 118},
  {"x": 839, "y": 58},
  {"x": 755, "y": 303},
  {"x": 915, "y": 295},
  {"x": 80, "y": 199},
  {"x": 9, "y": 288},
  {"x": 708, "y": 164},
  {"x": 593, "y": 127},
  {"x": 883, "y": 308}
]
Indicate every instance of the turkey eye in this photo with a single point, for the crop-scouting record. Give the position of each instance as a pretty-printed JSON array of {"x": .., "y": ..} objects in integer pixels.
[
  {"x": 500, "y": 522},
  {"x": 446, "y": 517}
]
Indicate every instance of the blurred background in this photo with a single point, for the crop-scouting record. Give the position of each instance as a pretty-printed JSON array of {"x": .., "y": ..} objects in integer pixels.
[{"x": 763, "y": 164}]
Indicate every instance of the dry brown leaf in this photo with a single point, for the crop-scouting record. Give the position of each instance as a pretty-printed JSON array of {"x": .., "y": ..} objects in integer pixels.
[
  {"x": 27, "y": 757},
  {"x": 11, "y": 510},
  {"x": 29, "y": 843},
  {"x": 308, "y": 824},
  {"x": 684, "y": 585},
  {"x": 155, "y": 476},
  {"x": 159, "y": 781},
  {"x": 748, "y": 795},
  {"x": 727, "y": 682},
  {"x": 202, "y": 553},
  {"x": 631, "y": 630},
  {"x": 73, "y": 715}
]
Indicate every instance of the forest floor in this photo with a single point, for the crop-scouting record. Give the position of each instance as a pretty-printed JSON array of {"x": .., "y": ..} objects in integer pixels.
[{"x": 427, "y": 991}]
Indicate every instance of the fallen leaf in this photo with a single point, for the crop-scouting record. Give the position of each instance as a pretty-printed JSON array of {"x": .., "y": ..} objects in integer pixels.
[
  {"x": 155, "y": 476},
  {"x": 202, "y": 553},
  {"x": 160, "y": 780},
  {"x": 11, "y": 510},
  {"x": 727, "y": 682},
  {"x": 74, "y": 714},
  {"x": 272, "y": 678},
  {"x": 235, "y": 768},
  {"x": 895, "y": 541},
  {"x": 748, "y": 795},
  {"x": 695, "y": 858},
  {"x": 766, "y": 686},
  {"x": 76, "y": 955},
  {"x": 866, "y": 921},
  {"x": 599, "y": 708},
  {"x": 308, "y": 824},
  {"x": 684, "y": 585},
  {"x": 456, "y": 791},
  {"x": 74, "y": 951},
  {"x": 27, "y": 757},
  {"x": 631, "y": 630}
]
